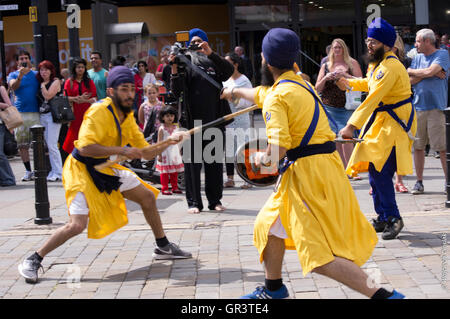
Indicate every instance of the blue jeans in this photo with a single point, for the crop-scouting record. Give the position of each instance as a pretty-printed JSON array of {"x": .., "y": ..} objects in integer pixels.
[
  {"x": 51, "y": 135},
  {"x": 6, "y": 174},
  {"x": 383, "y": 192}
]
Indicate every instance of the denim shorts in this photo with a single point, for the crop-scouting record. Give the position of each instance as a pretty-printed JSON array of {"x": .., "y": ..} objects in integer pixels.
[{"x": 339, "y": 115}]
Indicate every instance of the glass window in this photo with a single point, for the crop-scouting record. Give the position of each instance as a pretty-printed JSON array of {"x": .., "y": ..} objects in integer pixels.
[
  {"x": 391, "y": 8},
  {"x": 262, "y": 11},
  {"x": 326, "y": 10}
]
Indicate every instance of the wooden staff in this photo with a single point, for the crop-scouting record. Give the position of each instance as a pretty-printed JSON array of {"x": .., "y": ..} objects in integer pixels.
[{"x": 164, "y": 144}]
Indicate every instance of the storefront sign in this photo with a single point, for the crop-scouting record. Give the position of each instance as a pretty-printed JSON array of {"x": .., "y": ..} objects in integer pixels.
[
  {"x": 33, "y": 14},
  {"x": 73, "y": 16}
]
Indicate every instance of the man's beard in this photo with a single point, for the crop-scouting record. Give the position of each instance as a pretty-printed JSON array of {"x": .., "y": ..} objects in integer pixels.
[
  {"x": 266, "y": 76},
  {"x": 123, "y": 108},
  {"x": 377, "y": 56}
]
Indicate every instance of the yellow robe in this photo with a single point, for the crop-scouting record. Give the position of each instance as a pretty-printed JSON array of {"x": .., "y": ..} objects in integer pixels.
[
  {"x": 107, "y": 213},
  {"x": 315, "y": 201},
  {"x": 389, "y": 84}
]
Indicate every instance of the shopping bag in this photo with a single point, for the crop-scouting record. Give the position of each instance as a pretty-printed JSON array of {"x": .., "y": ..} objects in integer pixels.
[{"x": 11, "y": 117}]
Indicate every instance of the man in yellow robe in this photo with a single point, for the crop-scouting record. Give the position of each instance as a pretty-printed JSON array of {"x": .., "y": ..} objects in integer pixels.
[
  {"x": 314, "y": 210},
  {"x": 96, "y": 200},
  {"x": 388, "y": 123}
]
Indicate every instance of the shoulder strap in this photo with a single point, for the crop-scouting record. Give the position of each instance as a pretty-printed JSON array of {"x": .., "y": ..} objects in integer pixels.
[
  {"x": 119, "y": 129},
  {"x": 318, "y": 101}
]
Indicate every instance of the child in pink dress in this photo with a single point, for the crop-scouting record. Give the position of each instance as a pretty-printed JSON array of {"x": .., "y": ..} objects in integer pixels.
[{"x": 169, "y": 163}]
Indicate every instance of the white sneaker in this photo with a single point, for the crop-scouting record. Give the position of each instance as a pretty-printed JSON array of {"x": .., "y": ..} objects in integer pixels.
[
  {"x": 53, "y": 179},
  {"x": 29, "y": 270},
  {"x": 29, "y": 176},
  {"x": 170, "y": 251}
]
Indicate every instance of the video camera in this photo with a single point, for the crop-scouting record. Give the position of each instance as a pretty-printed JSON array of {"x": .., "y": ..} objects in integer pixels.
[{"x": 179, "y": 49}]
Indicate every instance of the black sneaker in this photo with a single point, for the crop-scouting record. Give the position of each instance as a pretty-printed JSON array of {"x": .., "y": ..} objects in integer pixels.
[
  {"x": 418, "y": 188},
  {"x": 378, "y": 225},
  {"x": 393, "y": 228},
  {"x": 170, "y": 251},
  {"x": 29, "y": 270}
]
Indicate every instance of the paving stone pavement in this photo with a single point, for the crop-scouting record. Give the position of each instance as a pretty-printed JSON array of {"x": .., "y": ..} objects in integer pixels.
[{"x": 225, "y": 264}]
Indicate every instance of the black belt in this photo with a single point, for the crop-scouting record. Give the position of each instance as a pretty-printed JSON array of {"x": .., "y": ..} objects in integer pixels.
[
  {"x": 103, "y": 182},
  {"x": 308, "y": 150}
]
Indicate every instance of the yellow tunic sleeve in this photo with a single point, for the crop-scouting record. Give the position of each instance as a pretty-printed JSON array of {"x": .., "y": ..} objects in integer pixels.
[
  {"x": 260, "y": 95},
  {"x": 382, "y": 83},
  {"x": 95, "y": 127},
  {"x": 134, "y": 136},
  {"x": 359, "y": 84},
  {"x": 277, "y": 124}
]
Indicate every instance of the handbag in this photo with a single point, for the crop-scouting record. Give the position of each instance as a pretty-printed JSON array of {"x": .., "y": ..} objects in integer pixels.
[
  {"x": 10, "y": 144},
  {"x": 352, "y": 100},
  {"x": 61, "y": 109},
  {"x": 11, "y": 117}
]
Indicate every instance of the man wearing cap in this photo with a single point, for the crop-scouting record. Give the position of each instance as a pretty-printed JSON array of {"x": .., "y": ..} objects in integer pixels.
[
  {"x": 201, "y": 88},
  {"x": 314, "y": 209},
  {"x": 95, "y": 199},
  {"x": 388, "y": 125}
]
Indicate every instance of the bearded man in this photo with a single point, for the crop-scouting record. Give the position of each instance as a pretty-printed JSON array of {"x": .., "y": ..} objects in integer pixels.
[
  {"x": 388, "y": 122},
  {"x": 96, "y": 198}
]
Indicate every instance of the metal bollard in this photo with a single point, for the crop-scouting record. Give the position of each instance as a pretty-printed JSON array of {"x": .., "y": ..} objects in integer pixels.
[
  {"x": 447, "y": 136},
  {"x": 40, "y": 172}
]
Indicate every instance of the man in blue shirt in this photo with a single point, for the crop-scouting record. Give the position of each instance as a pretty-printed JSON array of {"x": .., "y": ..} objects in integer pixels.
[
  {"x": 98, "y": 74},
  {"x": 429, "y": 77},
  {"x": 25, "y": 86}
]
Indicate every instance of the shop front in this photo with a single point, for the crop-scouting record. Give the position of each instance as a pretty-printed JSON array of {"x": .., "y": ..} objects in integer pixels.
[{"x": 318, "y": 22}]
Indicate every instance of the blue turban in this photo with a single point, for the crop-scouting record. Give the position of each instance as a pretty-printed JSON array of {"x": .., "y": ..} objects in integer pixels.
[
  {"x": 280, "y": 48},
  {"x": 382, "y": 31},
  {"x": 119, "y": 75},
  {"x": 199, "y": 33}
]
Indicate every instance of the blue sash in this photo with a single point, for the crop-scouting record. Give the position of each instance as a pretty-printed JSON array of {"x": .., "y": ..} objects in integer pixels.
[{"x": 390, "y": 109}]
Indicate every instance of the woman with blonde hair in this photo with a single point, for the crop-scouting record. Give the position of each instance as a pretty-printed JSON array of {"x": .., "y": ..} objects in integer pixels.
[
  {"x": 339, "y": 64},
  {"x": 399, "y": 50}
]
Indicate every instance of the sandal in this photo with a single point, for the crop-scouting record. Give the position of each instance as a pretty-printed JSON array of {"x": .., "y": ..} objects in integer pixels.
[
  {"x": 166, "y": 192},
  {"x": 246, "y": 186},
  {"x": 399, "y": 187},
  {"x": 357, "y": 178},
  {"x": 229, "y": 184}
]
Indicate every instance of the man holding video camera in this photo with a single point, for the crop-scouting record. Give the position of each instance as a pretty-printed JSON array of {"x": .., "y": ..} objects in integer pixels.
[{"x": 197, "y": 74}]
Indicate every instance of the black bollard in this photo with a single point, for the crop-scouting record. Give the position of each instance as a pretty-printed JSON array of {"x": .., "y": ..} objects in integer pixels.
[
  {"x": 447, "y": 136},
  {"x": 40, "y": 172}
]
